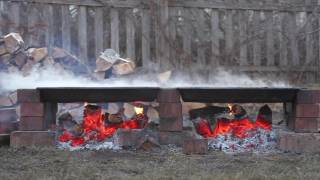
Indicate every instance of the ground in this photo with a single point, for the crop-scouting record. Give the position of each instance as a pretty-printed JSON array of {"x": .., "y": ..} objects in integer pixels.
[{"x": 50, "y": 163}]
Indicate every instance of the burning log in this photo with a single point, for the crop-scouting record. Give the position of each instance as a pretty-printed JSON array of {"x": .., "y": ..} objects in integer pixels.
[
  {"x": 13, "y": 42},
  {"x": 265, "y": 113},
  {"x": 208, "y": 112},
  {"x": 37, "y": 54},
  {"x": 123, "y": 67},
  {"x": 238, "y": 111}
]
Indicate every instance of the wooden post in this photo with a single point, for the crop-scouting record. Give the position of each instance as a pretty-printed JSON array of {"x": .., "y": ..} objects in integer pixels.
[
  {"x": 66, "y": 28},
  {"x": 98, "y": 28},
  {"x": 82, "y": 34},
  {"x": 146, "y": 26},
  {"x": 114, "y": 15}
]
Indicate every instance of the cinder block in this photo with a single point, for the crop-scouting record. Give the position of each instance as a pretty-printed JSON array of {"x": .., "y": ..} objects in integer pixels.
[
  {"x": 195, "y": 146},
  {"x": 299, "y": 142},
  {"x": 176, "y": 138},
  {"x": 31, "y": 123},
  {"x": 9, "y": 126},
  {"x": 307, "y": 125},
  {"x": 127, "y": 137},
  {"x": 8, "y": 114},
  {"x": 308, "y": 97},
  {"x": 171, "y": 124},
  {"x": 31, "y": 138},
  {"x": 308, "y": 110},
  {"x": 32, "y": 109},
  {"x": 168, "y": 95},
  {"x": 28, "y": 95},
  {"x": 4, "y": 139},
  {"x": 170, "y": 117}
]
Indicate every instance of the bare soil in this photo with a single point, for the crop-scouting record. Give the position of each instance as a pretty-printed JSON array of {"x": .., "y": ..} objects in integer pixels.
[{"x": 50, "y": 163}]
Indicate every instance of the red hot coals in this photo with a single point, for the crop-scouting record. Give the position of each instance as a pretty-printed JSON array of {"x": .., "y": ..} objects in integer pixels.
[
  {"x": 240, "y": 127},
  {"x": 97, "y": 126}
]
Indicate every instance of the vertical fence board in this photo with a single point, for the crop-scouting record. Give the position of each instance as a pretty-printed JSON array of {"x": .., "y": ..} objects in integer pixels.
[
  {"x": 292, "y": 31},
  {"x": 114, "y": 15},
  {"x": 98, "y": 28},
  {"x": 49, "y": 24},
  {"x": 243, "y": 25},
  {"x": 283, "y": 40},
  {"x": 66, "y": 28},
  {"x": 14, "y": 17},
  {"x": 186, "y": 38},
  {"x": 4, "y": 24},
  {"x": 256, "y": 41},
  {"x": 215, "y": 38},
  {"x": 309, "y": 45},
  {"x": 130, "y": 31},
  {"x": 229, "y": 34},
  {"x": 270, "y": 40},
  {"x": 201, "y": 59},
  {"x": 82, "y": 34},
  {"x": 146, "y": 29},
  {"x": 173, "y": 12}
]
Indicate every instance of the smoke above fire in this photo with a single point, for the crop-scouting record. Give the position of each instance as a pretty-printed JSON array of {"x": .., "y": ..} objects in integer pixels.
[{"x": 53, "y": 77}]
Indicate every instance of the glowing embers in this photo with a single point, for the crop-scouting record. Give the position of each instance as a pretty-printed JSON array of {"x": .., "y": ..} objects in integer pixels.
[
  {"x": 239, "y": 127},
  {"x": 97, "y": 126}
]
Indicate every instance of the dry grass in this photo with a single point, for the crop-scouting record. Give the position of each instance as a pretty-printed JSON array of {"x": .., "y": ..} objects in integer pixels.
[{"x": 34, "y": 163}]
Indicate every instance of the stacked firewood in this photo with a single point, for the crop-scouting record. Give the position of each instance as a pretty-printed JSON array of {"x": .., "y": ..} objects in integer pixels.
[{"x": 15, "y": 57}]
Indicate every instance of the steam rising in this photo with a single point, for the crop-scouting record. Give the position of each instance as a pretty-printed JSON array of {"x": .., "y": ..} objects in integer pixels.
[{"x": 51, "y": 77}]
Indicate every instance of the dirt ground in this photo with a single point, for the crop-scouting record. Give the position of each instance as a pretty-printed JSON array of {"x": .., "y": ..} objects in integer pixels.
[{"x": 50, "y": 163}]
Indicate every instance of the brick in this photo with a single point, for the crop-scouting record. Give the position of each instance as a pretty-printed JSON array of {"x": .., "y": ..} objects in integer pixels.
[
  {"x": 308, "y": 110},
  {"x": 4, "y": 139},
  {"x": 170, "y": 117},
  {"x": 32, "y": 109},
  {"x": 307, "y": 125},
  {"x": 31, "y": 138},
  {"x": 308, "y": 97},
  {"x": 8, "y": 114},
  {"x": 195, "y": 146},
  {"x": 28, "y": 95},
  {"x": 127, "y": 137},
  {"x": 31, "y": 123},
  {"x": 7, "y": 127},
  {"x": 176, "y": 138},
  {"x": 168, "y": 95},
  {"x": 299, "y": 142}
]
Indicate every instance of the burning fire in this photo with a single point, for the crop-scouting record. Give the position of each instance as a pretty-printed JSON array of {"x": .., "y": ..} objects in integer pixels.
[{"x": 94, "y": 126}]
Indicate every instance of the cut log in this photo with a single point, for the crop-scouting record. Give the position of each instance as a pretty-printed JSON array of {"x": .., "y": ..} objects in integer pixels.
[
  {"x": 48, "y": 61},
  {"x": 13, "y": 42},
  {"x": 5, "y": 59},
  {"x": 37, "y": 54},
  {"x": 3, "y": 49},
  {"x": 164, "y": 77},
  {"x": 20, "y": 59},
  {"x": 13, "y": 97},
  {"x": 99, "y": 75},
  {"x": 238, "y": 111},
  {"x": 208, "y": 112},
  {"x": 129, "y": 110},
  {"x": 122, "y": 68},
  {"x": 58, "y": 53},
  {"x": 26, "y": 69},
  {"x": 5, "y": 101},
  {"x": 153, "y": 115},
  {"x": 103, "y": 64},
  {"x": 113, "y": 108}
]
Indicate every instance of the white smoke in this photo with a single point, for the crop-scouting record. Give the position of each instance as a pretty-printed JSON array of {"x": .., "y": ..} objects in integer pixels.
[{"x": 52, "y": 77}]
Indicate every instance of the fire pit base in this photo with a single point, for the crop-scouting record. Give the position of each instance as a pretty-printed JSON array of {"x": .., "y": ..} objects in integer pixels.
[
  {"x": 31, "y": 138},
  {"x": 299, "y": 142}
]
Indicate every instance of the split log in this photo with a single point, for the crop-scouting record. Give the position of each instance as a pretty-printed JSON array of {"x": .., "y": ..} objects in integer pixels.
[
  {"x": 6, "y": 59},
  {"x": 128, "y": 110},
  {"x": 66, "y": 122},
  {"x": 103, "y": 63},
  {"x": 13, "y": 42},
  {"x": 3, "y": 49},
  {"x": 153, "y": 115},
  {"x": 99, "y": 75},
  {"x": 122, "y": 67},
  {"x": 164, "y": 77},
  {"x": 265, "y": 113},
  {"x": 208, "y": 112},
  {"x": 13, "y": 97},
  {"x": 37, "y": 54},
  {"x": 238, "y": 111},
  {"x": 5, "y": 101},
  {"x": 26, "y": 69},
  {"x": 20, "y": 59}
]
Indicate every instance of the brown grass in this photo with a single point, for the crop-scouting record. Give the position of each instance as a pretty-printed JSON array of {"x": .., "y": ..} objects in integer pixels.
[{"x": 49, "y": 163}]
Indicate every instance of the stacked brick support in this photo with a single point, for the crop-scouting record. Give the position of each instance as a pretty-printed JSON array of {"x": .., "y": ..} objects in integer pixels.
[
  {"x": 304, "y": 119},
  {"x": 36, "y": 118}
]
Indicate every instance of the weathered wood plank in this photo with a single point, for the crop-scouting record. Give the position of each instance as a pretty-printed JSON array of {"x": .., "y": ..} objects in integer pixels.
[
  {"x": 283, "y": 61},
  {"x": 256, "y": 40},
  {"x": 65, "y": 2},
  {"x": 243, "y": 38},
  {"x": 215, "y": 38},
  {"x": 187, "y": 36},
  {"x": 14, "y": 17},
  {"x": 173, "y": 13},
  {"x": 201, "y": 59},
  {"x": 269, "y": 38},
  {"x": 292, "y": 30},
  {"x": 98, "y": 28},
  {"x": 229, "y": 34},
  {"x": 83, "y": 34},
  {"x": 146, "y": 29},
  {"x": 49, "y": 27},
  {"x": 309, "y": 41},
  {"x": 114, "y": 15},
  {"x": 130, "y": 31},
  {"x": 66, "y": 28}
]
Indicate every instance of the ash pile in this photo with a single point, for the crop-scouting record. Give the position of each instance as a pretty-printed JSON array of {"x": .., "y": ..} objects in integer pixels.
[{"x": 230, "y": 129}]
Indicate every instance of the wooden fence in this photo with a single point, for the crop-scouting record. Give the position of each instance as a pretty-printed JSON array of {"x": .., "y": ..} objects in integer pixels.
[{"x": 278, "y": 38}]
